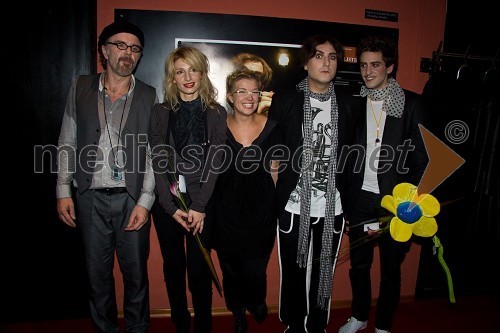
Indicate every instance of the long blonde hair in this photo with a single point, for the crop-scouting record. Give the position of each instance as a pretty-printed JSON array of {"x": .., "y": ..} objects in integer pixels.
[{"x": 198, "y": 61}]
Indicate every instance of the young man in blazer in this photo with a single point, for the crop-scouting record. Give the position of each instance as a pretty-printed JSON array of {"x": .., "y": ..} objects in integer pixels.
[
  {"x": 391, "y": 151},
  {"x": 313, "y": 118}
]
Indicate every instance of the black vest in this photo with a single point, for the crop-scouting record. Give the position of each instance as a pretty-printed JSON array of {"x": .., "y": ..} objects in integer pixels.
[{"x": 134, "y": 135}]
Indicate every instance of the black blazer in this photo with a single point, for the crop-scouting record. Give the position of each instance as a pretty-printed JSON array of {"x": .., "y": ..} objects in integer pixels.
[
  {"x": 199, "y": 191},
  {"x": 396, "y": 132},
  {"x": 287, "y": 109}
]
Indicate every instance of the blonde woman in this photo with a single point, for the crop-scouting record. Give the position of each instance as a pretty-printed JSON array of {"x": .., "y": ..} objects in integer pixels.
[
  {"x": 258, "y": 64},
  {"x": 190, "y": 123},
  {"x": 245, "y": 226}
]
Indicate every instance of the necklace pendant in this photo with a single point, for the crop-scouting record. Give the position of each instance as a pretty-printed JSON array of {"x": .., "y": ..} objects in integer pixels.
[{"x": 377, "y": 140}]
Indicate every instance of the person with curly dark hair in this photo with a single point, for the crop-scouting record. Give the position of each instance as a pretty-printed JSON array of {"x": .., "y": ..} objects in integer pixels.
[
  {"x": 389, "y": 119},
  {"x": 314, "y": 122}
]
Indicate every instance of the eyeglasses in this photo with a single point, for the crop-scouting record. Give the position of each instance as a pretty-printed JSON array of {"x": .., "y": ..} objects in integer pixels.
[
  {"x": 122, "y": 46},
  {"x": 245, "y": 93}
]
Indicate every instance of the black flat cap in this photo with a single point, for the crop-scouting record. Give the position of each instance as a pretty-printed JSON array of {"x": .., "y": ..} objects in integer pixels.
[{"x": 118, "y": 27}]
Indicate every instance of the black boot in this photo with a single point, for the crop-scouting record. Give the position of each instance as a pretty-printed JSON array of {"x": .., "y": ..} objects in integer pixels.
[
  {"x": 261, "y": 312},
  {"x": 183, "y": 325},
  {"x": 240, "y": 321}
]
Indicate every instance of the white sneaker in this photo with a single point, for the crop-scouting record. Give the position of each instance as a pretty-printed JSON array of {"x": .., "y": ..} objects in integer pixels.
[
  {"x": 381, "y": 331},
  {"x": 353, "y": 325}
]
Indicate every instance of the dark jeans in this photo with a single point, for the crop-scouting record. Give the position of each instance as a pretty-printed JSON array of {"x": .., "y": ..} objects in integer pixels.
[
  {"x": 392, "y": 254},
  {"x": 181, "y": 254}
]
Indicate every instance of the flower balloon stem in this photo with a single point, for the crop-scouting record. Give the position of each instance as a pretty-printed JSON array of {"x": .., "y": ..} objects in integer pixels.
[{"x": 440, "y": 250}]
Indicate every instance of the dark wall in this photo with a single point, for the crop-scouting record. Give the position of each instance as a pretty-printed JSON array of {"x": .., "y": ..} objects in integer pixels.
[
  {"x": 472, "y": 25},
  {"x": 44, "y": 271},
  {"x": 460, "y": 89}
]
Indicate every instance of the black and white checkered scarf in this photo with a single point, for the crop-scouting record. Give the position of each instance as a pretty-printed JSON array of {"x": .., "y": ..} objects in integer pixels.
[{"x": 326, "y": 256}]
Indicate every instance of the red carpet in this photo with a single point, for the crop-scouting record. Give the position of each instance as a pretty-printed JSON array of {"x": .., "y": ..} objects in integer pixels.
[{"x": 477, "y": 314}]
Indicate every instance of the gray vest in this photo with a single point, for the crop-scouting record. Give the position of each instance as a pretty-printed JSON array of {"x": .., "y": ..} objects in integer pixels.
[{"x": 134, "y": 135}]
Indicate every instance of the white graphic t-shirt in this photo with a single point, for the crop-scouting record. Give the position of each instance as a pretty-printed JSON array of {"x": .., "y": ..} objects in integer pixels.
[{"x": 322, "y": 132}]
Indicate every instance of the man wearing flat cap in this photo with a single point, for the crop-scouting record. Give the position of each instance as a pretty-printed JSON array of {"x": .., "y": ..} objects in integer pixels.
[{"x": 104, "y": 156}]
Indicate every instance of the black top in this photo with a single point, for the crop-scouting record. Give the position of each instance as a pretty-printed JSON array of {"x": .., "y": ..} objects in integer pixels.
[
  {"x": 400, "y": 164},
  {"x": 244, "y": 198},
  {"x": 189, "y": 125}
]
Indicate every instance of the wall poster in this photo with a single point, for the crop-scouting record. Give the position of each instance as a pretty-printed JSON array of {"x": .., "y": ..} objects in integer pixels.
[{"x": 222, "y": 37}]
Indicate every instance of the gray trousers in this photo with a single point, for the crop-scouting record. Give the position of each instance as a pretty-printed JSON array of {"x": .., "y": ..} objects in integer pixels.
[{"x": 102, "y": 219}]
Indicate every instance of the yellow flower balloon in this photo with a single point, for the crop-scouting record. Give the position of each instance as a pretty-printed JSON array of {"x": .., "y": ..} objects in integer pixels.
[{"x": 413, "y": 213}]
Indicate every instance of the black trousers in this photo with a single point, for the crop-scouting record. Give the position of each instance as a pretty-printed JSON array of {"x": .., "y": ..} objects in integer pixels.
[
  {"x": 392, "y": 255},
  {"x": 181, "y": 254},
  {"x": 299, "y": 286},
  {"x": 102, "y": 219}
]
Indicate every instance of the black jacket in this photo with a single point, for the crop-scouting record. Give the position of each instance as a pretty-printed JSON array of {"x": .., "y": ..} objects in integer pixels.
[
  {"x": 287, "y": 109},
  {"x": 396, "y": 132}
]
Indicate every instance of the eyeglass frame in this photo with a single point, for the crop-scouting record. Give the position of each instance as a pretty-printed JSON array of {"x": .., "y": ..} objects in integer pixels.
[
  {"x": 244, "y": 93},
  {"x": 119, "y": 45}
]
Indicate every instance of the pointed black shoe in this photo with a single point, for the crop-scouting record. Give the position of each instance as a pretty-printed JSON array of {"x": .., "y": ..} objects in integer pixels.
[
  {"x": 240, "y": 321},
  {"x": 183, "y": 326},
  {"x": 261, "y": 312}
]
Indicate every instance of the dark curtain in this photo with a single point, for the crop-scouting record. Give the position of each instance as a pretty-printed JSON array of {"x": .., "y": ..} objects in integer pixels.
[
  {"x": 465, "y": 92},
  {"x": 43, "y": 268},
  {"x": 483, "y": 231}
]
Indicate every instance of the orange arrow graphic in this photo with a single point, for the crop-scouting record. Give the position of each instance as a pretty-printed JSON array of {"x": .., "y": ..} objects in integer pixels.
[{"x": 443, "y": 162}]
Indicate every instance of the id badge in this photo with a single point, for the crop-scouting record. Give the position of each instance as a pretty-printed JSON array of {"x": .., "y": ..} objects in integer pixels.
[{"x": 116, "y": 174}]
